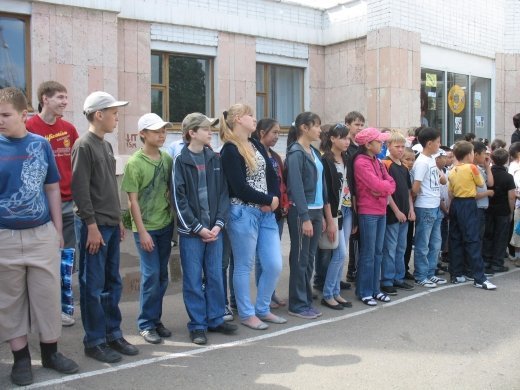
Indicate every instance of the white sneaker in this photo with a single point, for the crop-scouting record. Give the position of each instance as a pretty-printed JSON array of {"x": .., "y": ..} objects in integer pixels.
[
  {"x": 67, "y": 320},
  {"x": 486, "y": 285},
  {"x": 435, "y": 279},
  {"x": 426, "y": 283}
]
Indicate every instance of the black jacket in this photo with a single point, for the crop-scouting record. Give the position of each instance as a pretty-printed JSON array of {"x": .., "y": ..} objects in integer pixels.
[
  {"x": 515, "y": 137},
  {"x": 185, "y": 192},
  {"x": 234, "y": 167}
]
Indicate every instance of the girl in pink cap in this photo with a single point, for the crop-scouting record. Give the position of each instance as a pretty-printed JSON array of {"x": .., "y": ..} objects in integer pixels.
[{"x": 373, "y": 186}]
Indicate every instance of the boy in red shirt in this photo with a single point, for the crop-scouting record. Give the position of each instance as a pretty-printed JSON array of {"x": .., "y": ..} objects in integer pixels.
[{"x": 53, "y": 100}]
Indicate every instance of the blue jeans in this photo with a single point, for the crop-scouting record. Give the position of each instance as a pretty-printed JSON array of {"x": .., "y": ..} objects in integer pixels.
[
  {"x": 228, "y": 265},
  {"x": 392, "y": 267},
  {"x": 372, "y": 234},
  {"x": 205, "y": 307},
  {"x": 258, "y": 265},
  {"x": 100, "y": 287},
  {"x": 331, "y": 287},
  {"x": 427, "y": 241},
  {"x": 301, "y": 258},
  {"x": 154, "y": 276},
  {"x": 253, "y": 232}
]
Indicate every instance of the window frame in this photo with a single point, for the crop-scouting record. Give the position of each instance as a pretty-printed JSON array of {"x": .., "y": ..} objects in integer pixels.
[
  {"x": 26, "y": 19},
  {"x": 267, "y": 90},
  {"x": 164, "y": 87}
]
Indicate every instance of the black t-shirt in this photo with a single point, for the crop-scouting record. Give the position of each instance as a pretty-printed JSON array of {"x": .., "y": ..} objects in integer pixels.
[
  {"x": 503, "y": 183},
  {"x": 401, "y": 196}
]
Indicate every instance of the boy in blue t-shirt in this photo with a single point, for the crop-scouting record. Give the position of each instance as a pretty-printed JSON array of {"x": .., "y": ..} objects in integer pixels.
[{"x": 30, "y": 223}]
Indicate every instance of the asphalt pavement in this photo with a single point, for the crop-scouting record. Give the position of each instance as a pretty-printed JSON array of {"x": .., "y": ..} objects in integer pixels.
[{"x": 453, "y": 336}]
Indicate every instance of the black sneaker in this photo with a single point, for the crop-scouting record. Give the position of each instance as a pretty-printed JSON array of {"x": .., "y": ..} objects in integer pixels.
[
  {"x": 103, "y": 353},
  {"x": 198, "y": 336},
  {"x": 21, "y": 373},
  {"x": 409, "y": 276},
  {"x": 351, "y": 279},
  {"x": 344, "y": 285},
  {"x": 162, "y": 330},
  {"x": 124, "y": 347},
  {"x": 498, "y": 268},
  {"x": 224, "y": 328},
  {"x": 389, "y": 290},
  {"x": 60, "y": 363},
  {"x": 404, "y": 286}
]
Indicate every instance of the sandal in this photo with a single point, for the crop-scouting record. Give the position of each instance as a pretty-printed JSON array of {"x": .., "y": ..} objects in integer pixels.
[
  {"x": 369, "y": 301},
  {"x": 382, "y": 297}
]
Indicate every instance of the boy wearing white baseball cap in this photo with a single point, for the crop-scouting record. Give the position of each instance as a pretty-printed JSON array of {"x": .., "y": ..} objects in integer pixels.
[
  {"x": 147, "y": 182},
  {"x": 96, "y": 197}
]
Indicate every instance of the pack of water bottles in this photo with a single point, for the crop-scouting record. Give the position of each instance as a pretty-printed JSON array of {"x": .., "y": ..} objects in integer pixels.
[{"x": 67, "y": 264}]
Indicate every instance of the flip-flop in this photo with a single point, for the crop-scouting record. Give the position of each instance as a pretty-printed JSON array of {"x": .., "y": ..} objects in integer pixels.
[{"x": 259, "y": 326}]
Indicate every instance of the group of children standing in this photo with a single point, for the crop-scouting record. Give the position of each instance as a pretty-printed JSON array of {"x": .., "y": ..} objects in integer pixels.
[{"x": 347, "y": 185}]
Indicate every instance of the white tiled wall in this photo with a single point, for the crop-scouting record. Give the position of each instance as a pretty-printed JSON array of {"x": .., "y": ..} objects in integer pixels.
[
  {"x": 512, "y": 27},
  {"x": 475, "y": 27}
]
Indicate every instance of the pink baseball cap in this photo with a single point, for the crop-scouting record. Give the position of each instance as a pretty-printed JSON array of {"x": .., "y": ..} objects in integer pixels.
[{"x": 371, "y": 134}]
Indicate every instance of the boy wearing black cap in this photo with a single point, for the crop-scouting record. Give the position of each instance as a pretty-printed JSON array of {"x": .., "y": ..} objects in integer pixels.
[
  {"x": 147, "y": 181},
  {"x": 96, "y": 196}
]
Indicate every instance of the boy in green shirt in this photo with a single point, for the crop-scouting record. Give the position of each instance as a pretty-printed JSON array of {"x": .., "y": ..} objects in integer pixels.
[{"x": 147, "y": 181}]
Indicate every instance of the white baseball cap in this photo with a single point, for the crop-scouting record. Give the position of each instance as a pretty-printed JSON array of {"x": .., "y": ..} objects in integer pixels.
[
  {"x": 151, "y": 121},
  {"x": 100, "y": 100},
  {"x": 440, "y": 153}
]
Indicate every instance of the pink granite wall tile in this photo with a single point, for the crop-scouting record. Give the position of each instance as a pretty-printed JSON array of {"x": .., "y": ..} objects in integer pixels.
[
  {"x": 64, "y": 44},
  {"x": 111, "y": 45},
  {"x": 95, "y": 41},
  {"x": 130, "y": 45},
  {"x": 403, "y": 68},
  {"x": 143, "y": 52},
  {"x": 371, "y": 68},
  {"x": 95, "y": 78},
  {"x": 385, "y": 105},
  {"x": 331, "y": 68},
  {"x": 372, "y": 107},
  {"x": 81, "y": 40},
  {"x": 384, "y": 67},
  {"x": 509, "y": 62}
]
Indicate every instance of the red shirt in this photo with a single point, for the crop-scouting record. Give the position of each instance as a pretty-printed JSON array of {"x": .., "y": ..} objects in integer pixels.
[{"x": 61, "y": 136}]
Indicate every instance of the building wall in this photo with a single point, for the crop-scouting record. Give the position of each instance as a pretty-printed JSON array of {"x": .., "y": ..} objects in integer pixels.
[
  {"x": 345, "y": 78},
  {"x": 235, "y": 78},
  {"x": 507, "y": 102},
  {"x": 133, "y": 79}
]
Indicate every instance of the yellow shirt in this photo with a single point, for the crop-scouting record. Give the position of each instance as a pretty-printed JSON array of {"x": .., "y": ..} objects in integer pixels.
[{"x": 463, "y": 181}]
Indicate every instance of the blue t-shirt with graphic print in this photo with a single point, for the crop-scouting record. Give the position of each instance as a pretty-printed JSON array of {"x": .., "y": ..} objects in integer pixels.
[{"x": 26, "y": 165}]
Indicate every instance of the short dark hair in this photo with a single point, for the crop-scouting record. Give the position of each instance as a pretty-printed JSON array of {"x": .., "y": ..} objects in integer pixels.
[
  {"x": 49, "y": 89},
  {"x": 498, "y": 143},
  {"x": 445, "y": 148},
  {"x": 462, "y": 149},
  {"x": 514, "y": 149},
  {"x": 352, "y": 116},
  {"x": 479, "y": 147},
  {"x": 516, "y": 121},
  {"x": 427, "y": 134},
  {"x": 469, "y": 137},
  {"x": 500, "y": 156}
]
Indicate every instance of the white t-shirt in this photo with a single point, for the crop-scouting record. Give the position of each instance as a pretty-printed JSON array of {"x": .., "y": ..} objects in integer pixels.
[{"x": 425, "y": 170}]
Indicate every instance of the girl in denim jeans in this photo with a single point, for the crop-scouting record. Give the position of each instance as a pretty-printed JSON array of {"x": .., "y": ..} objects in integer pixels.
[
  {"x": 373, "y": 186},
  {"x": 254, "y": 193},
  {"x": 334, "y": 144}
]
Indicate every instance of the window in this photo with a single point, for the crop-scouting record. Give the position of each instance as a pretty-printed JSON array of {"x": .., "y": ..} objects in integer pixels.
[
  {"x": 456, "y": 104},
  {"x": 181, "y": 85},
  {"x": 14, "y": 52},
  {"x": 432, "y": 98},
  {"x": 279, "y": 92}
]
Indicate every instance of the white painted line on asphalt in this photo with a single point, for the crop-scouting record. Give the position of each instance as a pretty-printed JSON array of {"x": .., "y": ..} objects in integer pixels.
[{"x": 248, "y": 340}]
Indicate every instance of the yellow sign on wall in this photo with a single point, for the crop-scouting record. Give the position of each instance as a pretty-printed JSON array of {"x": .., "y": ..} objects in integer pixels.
[{"x": 456, "y": 99}]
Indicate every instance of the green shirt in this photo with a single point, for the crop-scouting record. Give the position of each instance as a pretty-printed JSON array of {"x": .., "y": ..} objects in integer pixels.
[{"x": 151, "y": 180}]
